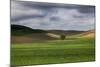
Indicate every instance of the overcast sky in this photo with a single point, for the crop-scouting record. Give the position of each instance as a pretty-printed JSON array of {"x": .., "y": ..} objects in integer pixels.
[{"x": 50, "y": 16}]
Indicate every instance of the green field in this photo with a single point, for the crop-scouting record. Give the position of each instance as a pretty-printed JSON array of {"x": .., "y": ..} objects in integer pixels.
[{"x": 53, "y": 51}]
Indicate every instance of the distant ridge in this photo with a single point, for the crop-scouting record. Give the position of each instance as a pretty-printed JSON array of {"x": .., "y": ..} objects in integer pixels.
[
  {"x": 23, "y": 30},
  {"x": 66, "y": 32}
]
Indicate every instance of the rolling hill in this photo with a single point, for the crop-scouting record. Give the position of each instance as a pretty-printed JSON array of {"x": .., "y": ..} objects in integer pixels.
[
  {"x": 23, "y": 34},
  {"x": 18, "y": 30},
  {"x": 90, "y": 33}
]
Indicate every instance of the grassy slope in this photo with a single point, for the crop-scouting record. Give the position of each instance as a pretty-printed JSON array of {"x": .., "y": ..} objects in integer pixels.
[
  {"x": 57, "y": 51},
  {"x": 18, "y": 30}
]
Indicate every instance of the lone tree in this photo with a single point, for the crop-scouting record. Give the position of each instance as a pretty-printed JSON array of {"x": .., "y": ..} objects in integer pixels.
[{"x": 62, "y": 36}]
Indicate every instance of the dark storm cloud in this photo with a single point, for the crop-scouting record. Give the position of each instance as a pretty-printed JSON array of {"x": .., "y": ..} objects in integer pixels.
[
  {"x": 26, "y": 17},
  {"x": 52, "y": 15},
  {"x": 87, "y": 9},
  {"x": 80, "y": 8}
]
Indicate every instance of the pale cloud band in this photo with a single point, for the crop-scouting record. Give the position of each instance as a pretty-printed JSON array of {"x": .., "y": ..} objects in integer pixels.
[{"x": 52, "y": 16}]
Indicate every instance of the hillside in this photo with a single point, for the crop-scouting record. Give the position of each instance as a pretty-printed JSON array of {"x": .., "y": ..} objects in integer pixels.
[
  {"x": 23, "y": 34},
  {"x": 23, "y": 30},
  {"x": 90, "y": 33},
  {"x": 18, "y": 30}
]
